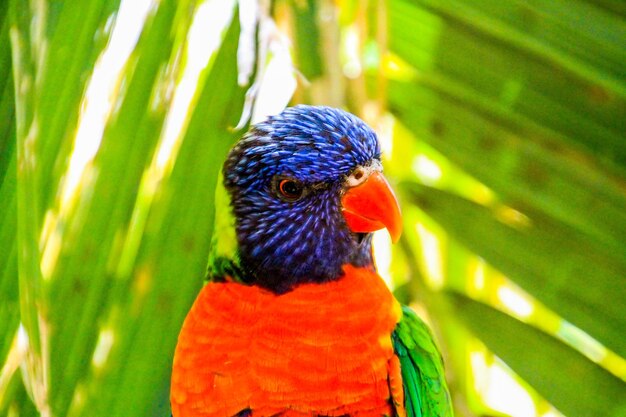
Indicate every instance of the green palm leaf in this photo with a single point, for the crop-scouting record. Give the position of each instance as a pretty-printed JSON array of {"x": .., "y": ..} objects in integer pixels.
[
  {"x": 108, "y": 202},
  {"x": 114, "y": 224},
  {"x": 552, "y": 368}
]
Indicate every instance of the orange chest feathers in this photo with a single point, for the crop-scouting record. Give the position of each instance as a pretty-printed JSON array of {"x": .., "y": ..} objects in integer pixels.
[{"x": 317, "y": 350}]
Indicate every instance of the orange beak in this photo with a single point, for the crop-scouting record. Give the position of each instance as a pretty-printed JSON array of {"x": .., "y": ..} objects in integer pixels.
[{"x": 372, "y": 206}]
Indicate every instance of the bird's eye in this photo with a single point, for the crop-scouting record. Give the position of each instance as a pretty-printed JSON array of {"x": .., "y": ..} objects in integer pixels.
[{"x": 290, "y": 189}]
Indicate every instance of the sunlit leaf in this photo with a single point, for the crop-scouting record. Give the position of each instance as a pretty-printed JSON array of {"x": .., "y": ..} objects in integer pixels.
[
  {"x": 115, "y": 188},
  {"x": 553, "y": 263},
  {"x": 9, "y": 303},
  {"x": 555, "y": 370},
  {"x": 529, "y": 119}
]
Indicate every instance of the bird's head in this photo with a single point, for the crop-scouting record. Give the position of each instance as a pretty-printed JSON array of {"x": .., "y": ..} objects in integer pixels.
[{"x": 307, "y": 190}]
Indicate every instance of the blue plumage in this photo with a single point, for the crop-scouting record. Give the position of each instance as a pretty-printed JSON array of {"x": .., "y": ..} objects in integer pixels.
[{"x": 309, "y": 150}]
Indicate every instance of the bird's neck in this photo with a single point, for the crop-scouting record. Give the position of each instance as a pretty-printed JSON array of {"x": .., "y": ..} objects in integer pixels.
[{"x": 323, "y": 261}]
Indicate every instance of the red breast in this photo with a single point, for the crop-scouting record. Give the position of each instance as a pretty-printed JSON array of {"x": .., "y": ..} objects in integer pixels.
[{"x": 319, "y": 349}]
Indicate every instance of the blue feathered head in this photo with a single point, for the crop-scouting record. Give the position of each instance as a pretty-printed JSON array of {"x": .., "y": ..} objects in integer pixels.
[{"x": 286, "y": 178}]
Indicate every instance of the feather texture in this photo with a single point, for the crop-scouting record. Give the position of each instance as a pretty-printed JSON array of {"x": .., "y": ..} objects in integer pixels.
[
  {"x": 298, "y": 322},
  {"x": 317, "y": 350},
  {"x": 284, "y": 243},
  {"x": 425, "y": 389}
]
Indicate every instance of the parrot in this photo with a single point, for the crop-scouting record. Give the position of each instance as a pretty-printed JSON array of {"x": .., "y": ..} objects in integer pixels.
[{"x": 298, "y": 322}]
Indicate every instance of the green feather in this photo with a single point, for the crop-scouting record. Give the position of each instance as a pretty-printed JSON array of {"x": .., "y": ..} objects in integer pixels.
[
  {"x": 425, "y": 389},
  {"x": 223, "y": 258}
]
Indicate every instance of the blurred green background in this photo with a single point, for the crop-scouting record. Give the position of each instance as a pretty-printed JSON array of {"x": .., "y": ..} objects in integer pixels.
[{"x": 504, "y": 130}]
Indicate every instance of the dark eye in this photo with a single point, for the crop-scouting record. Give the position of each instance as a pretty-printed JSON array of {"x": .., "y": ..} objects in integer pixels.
[{"x": 290, "y": 189}]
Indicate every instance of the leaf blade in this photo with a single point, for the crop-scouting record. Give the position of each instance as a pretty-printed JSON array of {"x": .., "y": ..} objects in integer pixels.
[{"x": 554, "y": 369}]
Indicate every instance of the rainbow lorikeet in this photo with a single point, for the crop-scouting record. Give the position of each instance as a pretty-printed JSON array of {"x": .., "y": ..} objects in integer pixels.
[{"x": 300, "y": 323}]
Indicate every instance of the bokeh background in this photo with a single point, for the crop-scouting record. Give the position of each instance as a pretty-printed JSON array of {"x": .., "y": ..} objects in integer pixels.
[{"x": 503, "y": 124}]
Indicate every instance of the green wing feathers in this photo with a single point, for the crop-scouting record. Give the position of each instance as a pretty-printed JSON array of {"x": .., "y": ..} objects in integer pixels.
[{"x": 425, "y": 389}]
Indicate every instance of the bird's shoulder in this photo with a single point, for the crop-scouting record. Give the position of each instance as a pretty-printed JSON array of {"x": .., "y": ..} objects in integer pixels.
[
  {"x": 225, "y": 269},
  {"x": 425, "y": 390}
]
